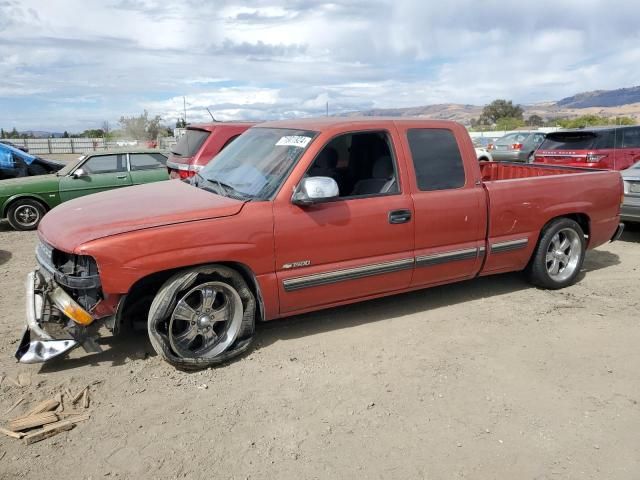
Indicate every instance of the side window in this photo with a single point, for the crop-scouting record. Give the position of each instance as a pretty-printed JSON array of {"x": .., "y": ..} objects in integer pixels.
[
  {"x": 631, "y": 138},
  {"x": 436, "y": 159},
  {"x": 147, "y": 161},
  {"x": 105, "y": 164},
  {"x": 362, "y": 164},
  {"x": 605, "y": 139}
]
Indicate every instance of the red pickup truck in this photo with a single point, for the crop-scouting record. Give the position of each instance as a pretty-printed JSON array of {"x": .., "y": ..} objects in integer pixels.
[{"x": 300, "y": 215}]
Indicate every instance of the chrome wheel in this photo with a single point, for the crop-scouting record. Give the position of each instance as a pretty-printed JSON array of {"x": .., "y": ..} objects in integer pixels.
[
  {"x": 27, "y": 215},
  {"x": 563, "y": 254},
  {"x": 205, "y": 321}
]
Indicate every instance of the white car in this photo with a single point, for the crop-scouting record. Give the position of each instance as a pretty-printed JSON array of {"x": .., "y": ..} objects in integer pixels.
[{"x": 483, "y": 154}]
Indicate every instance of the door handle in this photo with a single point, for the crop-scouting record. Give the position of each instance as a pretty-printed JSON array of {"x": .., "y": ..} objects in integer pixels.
[
  {"x": 399, "y": 216},
  {"x": 121, "y": 177}
]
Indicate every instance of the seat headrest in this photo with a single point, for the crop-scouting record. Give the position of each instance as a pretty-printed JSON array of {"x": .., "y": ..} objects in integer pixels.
[
  {"x": 328, "y": 158},
  {"x": 382, "y": 167}
]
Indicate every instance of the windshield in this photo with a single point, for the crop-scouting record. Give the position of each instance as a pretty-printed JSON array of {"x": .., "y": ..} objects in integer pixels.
[
  {"x": 70, "y": 166},
  {"x": 189, "y": 143},
  {"x": 513, "y": 138},
  {"x": 256, "y": 163}
]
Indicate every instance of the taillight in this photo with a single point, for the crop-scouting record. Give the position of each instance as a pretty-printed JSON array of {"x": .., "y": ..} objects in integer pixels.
[
  {"x": 186, "y": 174},
  {"x": 516, "y": 146},
  {"x": 490, "y": 146}
]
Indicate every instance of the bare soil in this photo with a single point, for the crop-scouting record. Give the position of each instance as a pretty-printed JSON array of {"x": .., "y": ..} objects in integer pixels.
[{"x": 483, "y": 379}]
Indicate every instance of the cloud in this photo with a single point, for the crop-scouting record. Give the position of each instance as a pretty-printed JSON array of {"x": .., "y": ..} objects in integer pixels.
[{"x": 262, "y": 59}]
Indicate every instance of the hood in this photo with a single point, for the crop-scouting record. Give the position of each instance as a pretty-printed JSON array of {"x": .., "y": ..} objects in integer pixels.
[
  {"x": 12, "y": 183},
  {"x": 131, "y": 208}
]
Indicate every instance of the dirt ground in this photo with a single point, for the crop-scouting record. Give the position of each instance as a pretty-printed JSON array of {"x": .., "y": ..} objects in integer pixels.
[{"x": 489, "y": 379}]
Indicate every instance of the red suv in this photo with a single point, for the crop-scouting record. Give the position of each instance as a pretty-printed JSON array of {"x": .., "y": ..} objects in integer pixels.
[
  {"x": 199, "y": 145},
  {"x": 612, "y": 148}
]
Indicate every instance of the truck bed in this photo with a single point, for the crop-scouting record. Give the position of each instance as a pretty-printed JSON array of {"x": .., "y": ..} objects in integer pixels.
[{"x": 492, "y": 171}]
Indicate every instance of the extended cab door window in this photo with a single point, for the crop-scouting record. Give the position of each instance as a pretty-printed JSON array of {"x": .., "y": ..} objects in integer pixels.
[
  {"x": 148, "y": 167},
  {"x": 96, "y": 174},
  {"x": 352, "y": 246},
  {"x": 450, "y": 213}
]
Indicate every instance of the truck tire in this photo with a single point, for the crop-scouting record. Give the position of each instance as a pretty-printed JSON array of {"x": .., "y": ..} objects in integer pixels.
[
  {"x": 202, "y": 317},
  {"x": 25, "y": 214},
  {"x": 558, "y": 257}
]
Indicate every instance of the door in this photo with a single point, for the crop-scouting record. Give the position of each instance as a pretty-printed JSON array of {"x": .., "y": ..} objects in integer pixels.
[
  {"x": 356, "y": 245},
  {"x": 450, "y": 207},
  {"x": 98, "y": 173},
  {"x": 148, "y": 167}
]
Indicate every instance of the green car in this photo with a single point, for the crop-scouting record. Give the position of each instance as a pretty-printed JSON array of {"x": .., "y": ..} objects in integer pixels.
[{"x": 24, "y": 201}]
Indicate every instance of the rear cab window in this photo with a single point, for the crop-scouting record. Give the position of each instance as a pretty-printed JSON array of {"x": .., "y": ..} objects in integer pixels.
[
  {"x": 578, "y": 140},
  {"x": 436, "y": 158}
]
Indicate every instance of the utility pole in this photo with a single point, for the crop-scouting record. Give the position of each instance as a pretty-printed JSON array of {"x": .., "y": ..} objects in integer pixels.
[
  {"x": 327, "y": 108},
  {"x": 184, "y": 108}
]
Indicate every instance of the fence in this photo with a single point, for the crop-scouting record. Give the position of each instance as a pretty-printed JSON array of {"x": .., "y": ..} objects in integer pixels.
[{"x": 44, "y": 146}]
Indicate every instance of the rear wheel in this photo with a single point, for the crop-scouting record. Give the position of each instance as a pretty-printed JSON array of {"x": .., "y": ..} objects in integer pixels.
[
  {"x": 559, "y": 255},
  {"x": 202, "y": 317},
  {"x": 25, "y": 214}
]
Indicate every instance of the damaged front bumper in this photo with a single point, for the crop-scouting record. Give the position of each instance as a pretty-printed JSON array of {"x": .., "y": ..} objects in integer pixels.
[{"x": 38, "y": 345}]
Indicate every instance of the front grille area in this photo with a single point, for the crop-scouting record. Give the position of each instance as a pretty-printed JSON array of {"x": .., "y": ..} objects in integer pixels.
[{"x": 77, "y": 274}]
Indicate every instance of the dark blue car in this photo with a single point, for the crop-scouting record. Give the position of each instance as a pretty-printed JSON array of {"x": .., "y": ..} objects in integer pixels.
[{"x": 15, "y": 163}]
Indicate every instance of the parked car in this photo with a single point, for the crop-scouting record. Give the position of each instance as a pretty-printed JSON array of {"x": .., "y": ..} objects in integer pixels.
[
  {"x": 15, "y": 163},
  {"x": 630, "y": 211},
  {"x": 613, "y": 148},
  {"x": 11, "y": 144},
  {"x": 199, "y": 144},
  {"x": 482, "y": 153},
  {"x": 484, "y": 142},
  {"x": 517, "y": 147},
  {"x": 301, "y": 215},
  {"x": 24, "y": 201}
]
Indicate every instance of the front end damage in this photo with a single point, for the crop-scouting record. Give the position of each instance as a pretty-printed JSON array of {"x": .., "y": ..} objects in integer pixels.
[{"x": 65, "y": 306}]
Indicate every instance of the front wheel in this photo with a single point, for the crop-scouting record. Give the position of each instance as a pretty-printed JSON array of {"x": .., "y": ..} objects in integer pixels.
[
  {"x": 557, "y": 260},
  {"x": 202, "y": 317},
  {"x": 25, "y": 214}
]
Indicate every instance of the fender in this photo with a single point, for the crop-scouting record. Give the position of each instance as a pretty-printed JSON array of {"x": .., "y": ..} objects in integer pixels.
[{"x": 35, "y": 196}]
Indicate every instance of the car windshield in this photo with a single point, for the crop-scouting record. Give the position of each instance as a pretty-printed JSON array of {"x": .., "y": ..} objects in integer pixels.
[
  {"x": 512, "y": 138},
  {"x": 255, "y": 164},
  {"x": 70, "y": 166}
]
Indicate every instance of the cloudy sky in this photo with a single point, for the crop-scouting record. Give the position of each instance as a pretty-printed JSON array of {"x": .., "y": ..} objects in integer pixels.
[{"x": 71, "y": 64}]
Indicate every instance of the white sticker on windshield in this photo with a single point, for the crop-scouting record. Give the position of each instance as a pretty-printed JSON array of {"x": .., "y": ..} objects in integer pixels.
[{"x": 293, "y": 141}]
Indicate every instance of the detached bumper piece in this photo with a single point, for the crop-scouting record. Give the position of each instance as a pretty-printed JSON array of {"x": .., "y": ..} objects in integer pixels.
[
  {"x": 618, "y": 232},
  {"x": 39, "y": 346}
]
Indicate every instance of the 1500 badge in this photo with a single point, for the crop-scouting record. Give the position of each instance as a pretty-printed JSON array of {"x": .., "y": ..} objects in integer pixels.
[{"x": 302, "y": 263}]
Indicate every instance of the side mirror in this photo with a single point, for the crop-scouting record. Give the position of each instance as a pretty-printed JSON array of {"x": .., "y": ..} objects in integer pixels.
[
  {"x": 79, "y": 173},
  {"x": 315, "y": 189}
]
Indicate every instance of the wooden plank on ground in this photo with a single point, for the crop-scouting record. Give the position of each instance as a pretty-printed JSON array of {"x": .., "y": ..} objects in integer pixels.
[
  {"x": 11, "y": 434},
  {"x": 18, "y": 402},
  {"x": 36, "y": 420},
  {"x": 48, "y": 431}
]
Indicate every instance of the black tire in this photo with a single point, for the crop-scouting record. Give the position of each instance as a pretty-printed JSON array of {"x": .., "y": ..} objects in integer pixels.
[
  {"x": 540, "y": 268},
  {"x": 165, "y": 301},
  {"x": 25, "y": 214}
]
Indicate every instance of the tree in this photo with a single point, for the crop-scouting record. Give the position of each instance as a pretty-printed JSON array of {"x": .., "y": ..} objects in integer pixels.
[
  {"x": 181, "y": 123},
  {"x": 65, "y": 134},
  {"x": 500, "y": 109},
  {"x": 509, "y": 123},
  {"x": 141, "y": 127},
  {"x": 535, "y": 121},
  {"x": 2, "y": 133}
]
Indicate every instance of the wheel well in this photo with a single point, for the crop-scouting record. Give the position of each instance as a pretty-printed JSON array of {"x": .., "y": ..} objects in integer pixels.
[
  {"x": 582, "y": 220},
  {"x": 14, "y": 200},
  {"x": 142, "y": 292}
]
